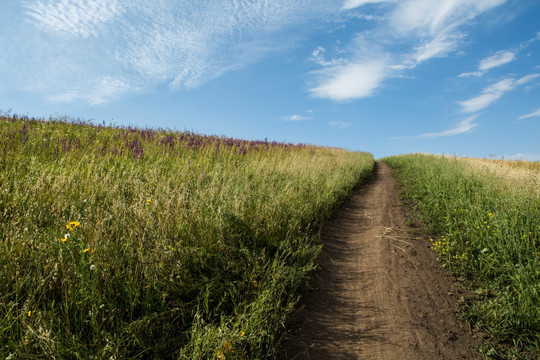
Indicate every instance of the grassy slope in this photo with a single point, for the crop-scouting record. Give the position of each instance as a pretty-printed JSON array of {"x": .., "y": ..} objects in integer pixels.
[
  {"x": 125, "y": 243},
  {"x": 489, "y": 231}
]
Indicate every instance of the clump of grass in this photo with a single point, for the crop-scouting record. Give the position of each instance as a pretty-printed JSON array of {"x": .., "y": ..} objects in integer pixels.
[
  {"x": 488, "y": 232},
  {"x": 138, "y": 243}
]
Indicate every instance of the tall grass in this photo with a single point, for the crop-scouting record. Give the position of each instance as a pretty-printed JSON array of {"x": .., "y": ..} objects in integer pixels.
[
  {"x": 130, "y": 243},
  {"x": 514, "y": 164},
  {"x": 488, "y": 231}
]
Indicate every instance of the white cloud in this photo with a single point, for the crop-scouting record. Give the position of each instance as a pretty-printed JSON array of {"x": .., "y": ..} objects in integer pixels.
[
  {"x": 526, "y": 79},
  {"x": 439, "y": 46},
  {"x": 79, "y": 18},
  {"x": 64, "y": 97},
  {"x": 498, "y": 59},
  {"x": 489, "y": 95},
  {"x": 464, "y": 126},
  {"x": 63, "y": 46},
  {"x": 420, "y": 29},
  {"x": 103, "y": 90},
  {"x": 318, "y": 56},
  {"x": 533, "y": 114},
  {"x": 523, "y": 156},
  {"x": 436, "y": 25},
  {"x": 493, "y": 92},
  {"x": 340, "y": 124},
  {"x": 436, "y": 17},
  {"x": 471, "y": 74},
  {"x": 184, "y": 44},
  {"x": 351, "y": 81},
  {"x": 351, "y": 4},
  {"x": 295, "y": 118}
]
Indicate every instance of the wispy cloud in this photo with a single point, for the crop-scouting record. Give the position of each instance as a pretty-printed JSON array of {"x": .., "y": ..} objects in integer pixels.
[
  {"x": 493, "y": 92},
  {"x": 79, "y": 18},
  {"x": 535, "y": 113},
  {"x": 433, "y": 18},
  {"x": 464, "y": 126},
  {"x": 318, "y": 56},
  {"x": 104, "y": 89},
  {"x": 523, "y": 156},
  {"x": 438, "y": 28},
  {"x": 340, "y": 124},
  {"x": 295, "y": 118},
  {"x": 351, "y": 4},
  {"x": 498, "y": 59},
  {"x": 420, "y": 29},
  {"x": 439, "y": 46},
  {"x": 97, "y": 50}
]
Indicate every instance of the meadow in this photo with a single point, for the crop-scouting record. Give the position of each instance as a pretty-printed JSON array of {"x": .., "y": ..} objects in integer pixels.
[
  {"x": 136, "y": 243},
  {"x": 484, "y": 217}
]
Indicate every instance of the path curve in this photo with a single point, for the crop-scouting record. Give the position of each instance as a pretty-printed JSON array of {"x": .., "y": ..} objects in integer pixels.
[{"x": 379, "y": 292}]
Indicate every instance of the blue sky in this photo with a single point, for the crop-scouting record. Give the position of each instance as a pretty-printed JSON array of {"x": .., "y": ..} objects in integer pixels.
[{"x": 385, "y": 76}]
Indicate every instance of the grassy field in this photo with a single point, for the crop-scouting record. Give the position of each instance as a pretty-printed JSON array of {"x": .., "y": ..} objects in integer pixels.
[
  {"x": 128, "y": 243},
  {"x": 486, "y": 218}
]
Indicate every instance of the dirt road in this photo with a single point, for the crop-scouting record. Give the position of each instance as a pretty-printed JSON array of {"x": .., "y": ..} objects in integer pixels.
[{"x": 379, "y": 292}]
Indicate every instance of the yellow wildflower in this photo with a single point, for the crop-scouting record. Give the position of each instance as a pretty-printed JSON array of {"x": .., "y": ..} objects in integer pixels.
[
  {"x": 63, "y": 240},
  {"x": 86, "y": 250},
  {"x": 29, "y": 313},
  {"x": 242, "y": 333}
]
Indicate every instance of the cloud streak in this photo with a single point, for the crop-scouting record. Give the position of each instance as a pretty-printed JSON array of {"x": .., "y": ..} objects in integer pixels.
[
  {"x": 295, "y": 118},
  {"x": 351, "y": 4},
  {"x": 340, "y": 124},
  {"x": 535, "y": 113},
  {"x": 498, "y": 59},
  {"x": 463, "y": 127},
  {"x": 494, "y": 92}
]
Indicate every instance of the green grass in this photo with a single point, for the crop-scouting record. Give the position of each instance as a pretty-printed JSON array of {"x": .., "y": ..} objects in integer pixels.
[
  {"x": 184, "y": 246},
  {"x": 488, "y": 230}
]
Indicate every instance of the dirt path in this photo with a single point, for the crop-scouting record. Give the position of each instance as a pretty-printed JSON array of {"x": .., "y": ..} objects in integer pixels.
[{"x": 379, "y": 293}]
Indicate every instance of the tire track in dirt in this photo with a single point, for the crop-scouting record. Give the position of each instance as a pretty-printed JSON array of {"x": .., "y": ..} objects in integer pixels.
[{"x": 379, "y": 293}]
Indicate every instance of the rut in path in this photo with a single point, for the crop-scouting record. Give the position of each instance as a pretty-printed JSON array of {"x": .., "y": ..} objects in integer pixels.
[{"x": 379, "y": 292}]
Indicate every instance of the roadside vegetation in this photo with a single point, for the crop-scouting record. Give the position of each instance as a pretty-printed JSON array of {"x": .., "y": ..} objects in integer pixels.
[
  {"x": 486, "y": 226},
  {"x": 134, "y": 243}
]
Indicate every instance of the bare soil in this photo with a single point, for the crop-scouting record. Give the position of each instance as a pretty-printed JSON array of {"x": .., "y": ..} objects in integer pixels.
[{"x": 379, "y": 292}]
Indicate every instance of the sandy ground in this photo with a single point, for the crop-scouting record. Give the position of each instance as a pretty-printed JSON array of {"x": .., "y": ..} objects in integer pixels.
[{"x": 379, "y": 292}]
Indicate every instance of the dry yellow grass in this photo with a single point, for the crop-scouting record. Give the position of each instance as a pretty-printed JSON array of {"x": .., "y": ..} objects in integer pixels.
[{"x": 517, "y": 175}]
